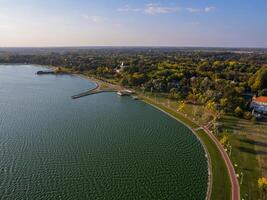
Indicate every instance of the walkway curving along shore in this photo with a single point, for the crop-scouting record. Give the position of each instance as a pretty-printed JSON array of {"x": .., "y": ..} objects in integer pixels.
[
  {"x": 229, "y": 165},
  {"x": 235, "y": 190},
  {"x": 209, "y": 188}
]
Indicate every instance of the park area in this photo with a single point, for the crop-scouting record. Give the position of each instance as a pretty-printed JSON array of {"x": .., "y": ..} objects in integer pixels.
[{"x": 246, "y": 141}]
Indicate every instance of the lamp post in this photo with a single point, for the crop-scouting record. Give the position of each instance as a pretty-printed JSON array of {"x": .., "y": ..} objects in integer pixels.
[{"x": 230, "y": 150}]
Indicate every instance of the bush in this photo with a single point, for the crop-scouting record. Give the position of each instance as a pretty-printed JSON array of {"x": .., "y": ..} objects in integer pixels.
[
  {"x": 238, "y": 111},
  {"x": 247, "y": 115},
  {"x": 254, "y": 120}
]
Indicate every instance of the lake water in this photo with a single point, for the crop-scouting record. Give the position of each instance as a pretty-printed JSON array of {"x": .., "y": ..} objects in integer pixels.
[{"x": 98, "y": 147}]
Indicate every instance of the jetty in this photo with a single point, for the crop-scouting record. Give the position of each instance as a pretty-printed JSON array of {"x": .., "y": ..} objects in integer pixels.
[
  {"x": 45, "y": 72},
  {"x": 101, "y": 87},
  {"x": 91, "y": 92}
]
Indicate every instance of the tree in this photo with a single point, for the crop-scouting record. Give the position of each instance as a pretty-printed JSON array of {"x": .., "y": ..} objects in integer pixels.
[
  {"x": 238, "y": 111},
  {"x": 224, "y": 140},
  {"x": 211, "y": 105},
  {"x": 259, "y": 80},
  {"x": 262, "y": 184},
  {"x": 181, "y": 107}
]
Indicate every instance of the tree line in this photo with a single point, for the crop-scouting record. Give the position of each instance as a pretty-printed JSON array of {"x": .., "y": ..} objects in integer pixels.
[{"x": 225, "y": 78}]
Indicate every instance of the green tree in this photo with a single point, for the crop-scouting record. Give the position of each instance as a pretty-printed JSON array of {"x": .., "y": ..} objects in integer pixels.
[
  {"x": 238, "y": 111},
  {"x": 259, "y": 80}
]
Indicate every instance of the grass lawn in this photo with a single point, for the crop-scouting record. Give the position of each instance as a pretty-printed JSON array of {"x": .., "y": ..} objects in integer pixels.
[
  {"x": 196, "y": 112},
  {"x": 249, "y": 152},
  {"x": 248, "y": 141},
  {"x": 221, "y": 187}
]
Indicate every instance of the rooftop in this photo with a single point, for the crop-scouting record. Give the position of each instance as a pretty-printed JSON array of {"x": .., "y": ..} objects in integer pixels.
[{"x": 261, "y": 99}]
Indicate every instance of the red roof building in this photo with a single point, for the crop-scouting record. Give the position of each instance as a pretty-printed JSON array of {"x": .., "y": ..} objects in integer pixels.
[
  {"x": 260, "y": 100},
  {"x": 259, "y": 104}
]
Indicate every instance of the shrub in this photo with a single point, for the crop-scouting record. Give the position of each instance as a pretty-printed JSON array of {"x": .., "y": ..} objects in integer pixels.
[
  {"x": 238, "y": 111},
  {"x": 254, "y": 120},
  {"x": 247, "y": 115}
]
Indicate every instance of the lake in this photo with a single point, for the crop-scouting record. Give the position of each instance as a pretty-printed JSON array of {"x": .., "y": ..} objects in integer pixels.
[{"x": 98, "y": 147}]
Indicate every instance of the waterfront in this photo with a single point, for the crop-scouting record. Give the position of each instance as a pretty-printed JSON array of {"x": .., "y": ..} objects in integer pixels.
[{"x": 96, "y": 147}]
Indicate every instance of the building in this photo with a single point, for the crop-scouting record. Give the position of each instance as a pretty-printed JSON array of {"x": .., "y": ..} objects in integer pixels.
[
  {"x": 259, "y": 106},
  {"x": 121, "y": 68}
]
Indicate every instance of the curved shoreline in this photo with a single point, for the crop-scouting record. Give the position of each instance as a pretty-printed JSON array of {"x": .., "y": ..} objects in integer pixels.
[
  {"x": 209, "y": 184},
  {"x": 235, "y": 188},
  {"x": 192, "y": 126},
  {"x": 208, "y": 159}
]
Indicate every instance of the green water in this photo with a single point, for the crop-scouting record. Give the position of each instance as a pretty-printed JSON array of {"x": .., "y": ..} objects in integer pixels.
[{"x": 97, "y": 147}]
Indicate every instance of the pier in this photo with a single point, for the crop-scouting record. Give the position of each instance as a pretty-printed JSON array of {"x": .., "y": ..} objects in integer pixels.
[
  {"x": 91, "y": 92},
  {"x": 100, "y": 87}
]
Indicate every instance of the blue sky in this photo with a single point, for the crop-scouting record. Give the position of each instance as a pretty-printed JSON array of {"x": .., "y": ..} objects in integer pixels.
[{"x": 223, "y": 23}]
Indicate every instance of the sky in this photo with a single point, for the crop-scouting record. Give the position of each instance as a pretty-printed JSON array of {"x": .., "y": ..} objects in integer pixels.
[{"x": 209, "y": 23}]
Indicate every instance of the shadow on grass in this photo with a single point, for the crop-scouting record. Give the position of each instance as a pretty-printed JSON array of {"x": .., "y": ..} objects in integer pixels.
[
  {"x": 252, "y": 151},
  {"x": 247, "y": 169},
  {"x": 252, "y": 142}
]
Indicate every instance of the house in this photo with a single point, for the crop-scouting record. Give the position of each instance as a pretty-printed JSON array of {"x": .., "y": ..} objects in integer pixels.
[
  {"x": 259, "y": 106},
  {"x": 121, "y": 68}
]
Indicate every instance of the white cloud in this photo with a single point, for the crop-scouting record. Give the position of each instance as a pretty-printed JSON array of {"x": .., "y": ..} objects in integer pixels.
[
  {"x": 151, "y": 9},
  {"x": 129, "y": 9},
  {"x": 194, "y": 10},
  {"x": 209, "y": 9},
  {"x": 198, "y": 10},
  {"x": 93, "y": 18}
]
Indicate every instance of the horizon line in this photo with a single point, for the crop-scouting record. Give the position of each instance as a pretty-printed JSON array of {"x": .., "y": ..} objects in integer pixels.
[{"x": 133, "y": 46}]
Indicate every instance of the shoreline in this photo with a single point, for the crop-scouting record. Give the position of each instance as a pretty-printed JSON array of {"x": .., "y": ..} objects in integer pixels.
[
  {"x": 207, "y": 155},
  {"x": 178, "y": 119}
]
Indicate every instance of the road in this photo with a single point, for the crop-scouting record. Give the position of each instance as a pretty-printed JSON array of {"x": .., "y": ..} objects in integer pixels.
[{"x": 229, "y": 165}]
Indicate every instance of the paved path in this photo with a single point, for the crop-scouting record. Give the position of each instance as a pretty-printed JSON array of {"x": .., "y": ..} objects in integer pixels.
[
  {"x": 198, "y": 129},
  {"x": 229, "y": 165},
  {"x": 235, "y": 189},
  {"x": 231, "y": 171}
]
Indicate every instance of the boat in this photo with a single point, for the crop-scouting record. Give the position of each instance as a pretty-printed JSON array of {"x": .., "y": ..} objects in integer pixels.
[
  {"x": 120, "y": 93},
  {"x": 124, "y": 93}
]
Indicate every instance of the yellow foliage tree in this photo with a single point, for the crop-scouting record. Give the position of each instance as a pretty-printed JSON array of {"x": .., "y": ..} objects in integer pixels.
[
  {"x": 262, "y": 183},
  {"x": 210, "y": 105},
  {"x": 224, "y": 140},
  {"x": 181, "y": 107}
]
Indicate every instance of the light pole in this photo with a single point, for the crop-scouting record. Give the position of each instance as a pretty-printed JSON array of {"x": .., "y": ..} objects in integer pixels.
[{"x": 230, "y": 150}]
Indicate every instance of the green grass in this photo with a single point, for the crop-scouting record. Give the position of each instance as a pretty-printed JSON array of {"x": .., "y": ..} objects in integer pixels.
[
  {"x": 221, "y": 186},
  {"x": 173, "y": 113},
  {"x": 244, "y": 154},
  {"x": 198, "y": 113}
]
